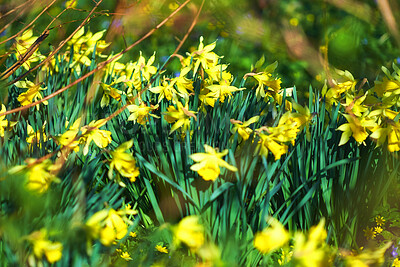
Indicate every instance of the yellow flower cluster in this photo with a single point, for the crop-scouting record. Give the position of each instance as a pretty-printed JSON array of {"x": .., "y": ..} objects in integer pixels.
[
  {"x": 42, "y": 246},
  {"x": 124, "y": 163}
]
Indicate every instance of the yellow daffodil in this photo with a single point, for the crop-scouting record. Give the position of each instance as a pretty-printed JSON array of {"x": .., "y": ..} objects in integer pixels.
[
  {"x": 271, "y": 238},
  {"x": 165, "y": 90},
  {"x": 161, "y": 249},
  {"x": 242, "y": 128},
  {"x": 32, "y": 94},
  {"x": 140, "y": 114},
  {"x": 108, "y": 225},
  {"x": 356, "y": 127},
  {"x": 67, "y": 139},
  {"x": 368, "y": 257},
  {"x": 386, "y": 87},
  {"x": 209, "y": 163},
  {"x": 92, "y": 132},
  {"x": 179, "y": 116},
  {"x": 146, "y": 70},
  {"x": 22, "y": 44},
  {"x": 190, "y": 232},
  {"x": 110, "y": 91},
  {"x": 202, "y": 57},
  {"x": 42, "y": 246},
  {"x": 3, "y": 122},
  {"x": 222, "y": 90},
  {"x": 268, "y": 143},
  {"x": 124, "y": 163},
  {"x": 396, "y": 262},
  {"x": 39, "y": 175},
  {"x": 266, "y": 80}
]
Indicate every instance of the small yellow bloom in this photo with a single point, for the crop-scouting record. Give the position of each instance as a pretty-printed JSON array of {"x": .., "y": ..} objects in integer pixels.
[
  {"x": 209, "y": 163},
  {"x": 68, "y": 138},
  {"x": 133, "y": 234},
  {"x": 396, "y": 263},
  {"x": 378, "y": 229},
  {"x": 162, "y": 249},
  {"x": 71, "y": 3},
  {"x": 190, "y": 232},
  {"x": 126, "y": 256},
  {"x": 271, "y": 238},
  {"x": 380, "y": 221},
  {"x": 369, "y": 233},
  {"x": 140, "y": 114},
  {"x": 242, "y": 128}
]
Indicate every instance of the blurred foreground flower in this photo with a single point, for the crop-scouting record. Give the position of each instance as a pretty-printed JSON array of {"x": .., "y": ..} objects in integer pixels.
[
  {"x": 271, "y": 238},
  {"x": 43, "y": 246},
  {"x": 190, "y": 232},
  {"x": 3, "y": 122},
  {"x": 209, "y": 163}
]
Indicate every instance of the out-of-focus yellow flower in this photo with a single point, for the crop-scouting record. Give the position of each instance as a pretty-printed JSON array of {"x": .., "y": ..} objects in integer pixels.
[
  {"x": 369, "y": 233},
  {"x": 32, "y": 94},
  {"x": 209, "y": 163},
  {"x": 271, "y": 238},
  {"x": 39, "y": 176},
  {"x": 140, "y": 114},
  {"x": 133, "y": 234},
  {"x": 123, "y": 162},
  {"x": 108, "y": 225},
  {"x": 3, "y": 122},
  {"x": 161, "y": 249},
  {"x": 71, "y": 3},
  {"x": 311, "y": 251},
  {"x": 180, "y": 117},
  {"x": 396, "y": 263},
  {"x": 92, "y": 132},
  {"x": 368, "y": 257},
  {"x": 386, "y": 87},
  {"x": 43, "y": 246},
  {"x": 190, "y": 232}
]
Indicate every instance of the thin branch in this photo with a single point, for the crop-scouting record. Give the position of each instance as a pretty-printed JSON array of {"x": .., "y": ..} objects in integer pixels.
[
  {"x": 98, "y": 67},
  {"x": 30, "y": 24}
]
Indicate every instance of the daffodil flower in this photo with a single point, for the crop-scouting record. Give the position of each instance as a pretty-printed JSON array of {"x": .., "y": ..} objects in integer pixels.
[
  {"x": 179, "y": 116},
  {"x": 356, "y": 127},
  {"x": 242, "y": 128},
  {"x": 35, "y": 137},
  {"x": 271, "y": 238},
  {"x": 32, "y": 94},
  {"x": 92, "y": 132},
  {"x": 43, "y": 246},
  {"x": 3, "y": 122},
  {"x": 209, "y": 163},
  {"x": 68, "y": 138},
  {"x": 110, "y": 91},
  {"x": 22, "y": 44},
  {"x": 124, "y": 163},
  {"x": 140, "y": 113},
  {"x": 190, "y": 232},
  {"x": 202, "y": 56}
]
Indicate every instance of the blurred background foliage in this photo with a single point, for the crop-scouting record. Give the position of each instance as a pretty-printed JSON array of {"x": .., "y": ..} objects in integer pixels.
[{"x": 308, "y": 38}]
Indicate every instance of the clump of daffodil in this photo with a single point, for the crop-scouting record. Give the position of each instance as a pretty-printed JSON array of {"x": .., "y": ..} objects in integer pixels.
[
  {"x": 271, "y": 238},
  {"x": 42, "y": 246},
  {"x": 140, "y": 71},
  {"x": 32, "y": 94},
  {"x": 274, "y": 139},
  {"x": 3, "y": 122},
  {"x": 92, "y": 132},
  {"x": 209, "y": 163},
  {"x": 222, "y": 90},
  {"x": 140, "y": 114},
  {"x": 242, "y": 128},
  {"x": 22, "y": 44},
  {"x": 180, "y": 116},
  {"x": 37, "y": 137},
  {"x": 203, "y": 57},
  {"x": 109, "y": 225},
  {"x": 124, "y": 163},
  {"x": 39, "y": 175},
  {"x": 190, "y": 232},
  {"x": 388, "y": 129}
]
